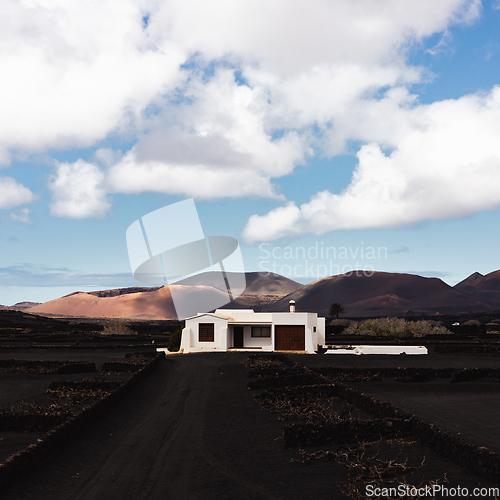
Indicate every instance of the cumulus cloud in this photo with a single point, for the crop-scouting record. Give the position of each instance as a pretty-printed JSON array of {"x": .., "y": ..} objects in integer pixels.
[
  {"x": 78, "y": 191},
  {"x": 304, "y": 70},
  {"x": 223, "y": 98},
  {"x": 13, "y": 194},
  {"x": 446, "y": 164},
  {"x": 73, "y": 72},
  {"x": 217, "y": 146},
  {"x": 291, "y": 37}
]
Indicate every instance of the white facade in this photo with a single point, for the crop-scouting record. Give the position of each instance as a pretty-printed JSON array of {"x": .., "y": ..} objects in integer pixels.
[{"x": 245, "y": 329}]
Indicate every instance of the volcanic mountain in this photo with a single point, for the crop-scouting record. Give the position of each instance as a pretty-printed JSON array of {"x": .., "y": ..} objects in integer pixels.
[
  {"x": 157, "y": 303},
  {"x": 485, "y": 288},
  {"x": 154, "y": 304},
  {"x": 380, "y": 294},
  {"x": 362, "y": 295},
  {"x": 262, "y": 290},
  {"x": 20, "y": 306}
]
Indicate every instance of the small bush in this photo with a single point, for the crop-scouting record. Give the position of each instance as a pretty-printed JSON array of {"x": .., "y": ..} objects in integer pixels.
[
  {"x": 117, "y": 328},
  {"x": 342, "y": 322},
  {"x": 472, "y": 322},
  {"x": 174, "y": 341},
  {"x": 395, "y": 327}
]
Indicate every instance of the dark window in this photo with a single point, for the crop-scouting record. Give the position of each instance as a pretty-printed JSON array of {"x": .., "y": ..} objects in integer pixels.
[
  {"x": 314, "y": 328},
  {"x": 206, "y": 332},
  {"x": 261, "y": 331}
]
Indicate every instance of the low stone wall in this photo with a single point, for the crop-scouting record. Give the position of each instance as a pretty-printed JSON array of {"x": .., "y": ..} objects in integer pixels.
[
  {"x": 49, "y": 367},
  {"x": 20, "y": 464},
  {"x": 410, "y": 374},
  {"x": 356, "y": 431},
  {"x": 388, "y": 421},
  {"x": 478, "y": 459}
]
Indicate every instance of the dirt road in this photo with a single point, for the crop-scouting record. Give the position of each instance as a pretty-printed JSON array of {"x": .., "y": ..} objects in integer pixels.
[{"x": 191, "y": 430}]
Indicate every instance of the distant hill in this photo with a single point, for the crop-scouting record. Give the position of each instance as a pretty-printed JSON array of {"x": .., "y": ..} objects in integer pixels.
[
  {"x": 20, "y": 306},
  {"x": 122, "y": 291},
  {"x": 485, "y": 288},
  {"x": 256, "y": 283},
  {"x": 151, "y": 304},
  {"x": 269, "y": 284},
  {"x": 157, "y": 303},
  {"x": 380, "y": 294},
  {"x": 263, "y": 289},
  {"x": 12, "y": 318}
]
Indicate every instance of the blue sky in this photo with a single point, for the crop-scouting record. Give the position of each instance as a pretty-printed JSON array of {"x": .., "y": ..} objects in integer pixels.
[{"x": 295, "y": 126}]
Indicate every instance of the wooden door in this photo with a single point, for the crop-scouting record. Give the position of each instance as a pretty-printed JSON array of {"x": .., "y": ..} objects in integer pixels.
[{"x": 290, "y": 337}]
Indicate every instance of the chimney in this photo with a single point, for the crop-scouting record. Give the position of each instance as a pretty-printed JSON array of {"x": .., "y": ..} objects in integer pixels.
[{"x": 292, "y": 306}]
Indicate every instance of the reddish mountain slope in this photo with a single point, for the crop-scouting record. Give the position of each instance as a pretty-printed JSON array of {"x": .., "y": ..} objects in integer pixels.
[
  {"x": 485, "y": 288},
  {"x": 256, "y": 283},
  {"x": 380, "y": 294},
  {"x": 263, "y": 289},
  {"x": 156, "y": 302}
]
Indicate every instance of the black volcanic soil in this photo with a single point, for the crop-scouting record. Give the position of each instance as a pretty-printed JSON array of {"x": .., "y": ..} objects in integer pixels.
[{"x": 192, "y": 430}]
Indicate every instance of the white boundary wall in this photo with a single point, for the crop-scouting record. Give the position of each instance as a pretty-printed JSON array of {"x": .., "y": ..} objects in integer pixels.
[{"x": 378, "y": 349}]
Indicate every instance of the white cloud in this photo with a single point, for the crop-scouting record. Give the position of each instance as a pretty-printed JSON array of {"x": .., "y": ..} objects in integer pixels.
[
  {"x": 195, "y": 180},
  {"x": 446, "y": 164},
  {"x": 22, "y": 216},
  {"x": 73, "y": 72},
  {"x": 291, "y": 36},
  {"x": 216, "y": 147},
  {"x": 315, "y": 76},
  {"x": 13, "y": 194},
  {"x": 78, "y": 191},
  {"x": 305, "y": 68}
]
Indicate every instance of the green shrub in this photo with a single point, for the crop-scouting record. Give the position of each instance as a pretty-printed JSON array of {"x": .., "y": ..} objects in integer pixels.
[
  {"x": 395, "y": 327},
  {"x": 174, "y": 341}
]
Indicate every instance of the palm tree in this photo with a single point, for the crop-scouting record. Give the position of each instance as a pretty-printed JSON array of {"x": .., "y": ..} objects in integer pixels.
[{"x": 336, "y": 309}]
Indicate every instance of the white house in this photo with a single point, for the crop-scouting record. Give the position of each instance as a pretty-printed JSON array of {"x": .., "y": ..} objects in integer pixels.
[{"x": 227, "y": 329}]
